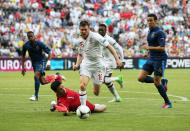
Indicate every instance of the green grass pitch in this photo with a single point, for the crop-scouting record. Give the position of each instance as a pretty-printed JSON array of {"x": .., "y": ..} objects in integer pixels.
[{"x": 139, "y": 110}]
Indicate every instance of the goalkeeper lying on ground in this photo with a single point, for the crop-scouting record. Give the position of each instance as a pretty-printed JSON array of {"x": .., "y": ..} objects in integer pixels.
[{"x": 68, "y": 100}]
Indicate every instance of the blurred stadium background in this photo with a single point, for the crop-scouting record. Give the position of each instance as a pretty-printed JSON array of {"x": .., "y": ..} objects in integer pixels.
[{"x": 55, "y": 22}]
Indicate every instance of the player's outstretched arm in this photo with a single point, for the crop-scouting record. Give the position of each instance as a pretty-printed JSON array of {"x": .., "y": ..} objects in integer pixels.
[
  {"x": 23, "y": 68},
  {"x": 79, "y": 60},
  {"x": 154, "y": 48},
  {"x": 119, "y": 49},
  {"x": 118, "y": 61},
  {"x": 61, "y": 108}
]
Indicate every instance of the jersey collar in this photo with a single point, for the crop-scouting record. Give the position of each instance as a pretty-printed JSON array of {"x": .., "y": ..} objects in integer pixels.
[
  {"x": 155, "y": 28},
  {"x": 32, "y": 44}
]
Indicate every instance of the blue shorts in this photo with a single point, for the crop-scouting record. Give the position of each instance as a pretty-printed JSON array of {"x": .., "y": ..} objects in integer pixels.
[
  {"x": 39, "y": 66},
  {"x": 156, "y": 66}
]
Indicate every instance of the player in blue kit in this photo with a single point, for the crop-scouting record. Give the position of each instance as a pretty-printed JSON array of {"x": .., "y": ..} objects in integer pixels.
[
  {"x": 36, "y": 51},
  {"x": 156, "y": 61}
]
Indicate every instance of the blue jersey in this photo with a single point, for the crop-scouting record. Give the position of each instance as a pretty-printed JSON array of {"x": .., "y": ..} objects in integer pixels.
[
  {"x": 36, "y": 52},
  {"x": 156, "y": 37}
]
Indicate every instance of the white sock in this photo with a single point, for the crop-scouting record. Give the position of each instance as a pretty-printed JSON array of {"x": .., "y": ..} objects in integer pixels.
[
  {"x": 113, "y": 90},
  {"x": 111, "y": 79},
  {"x": 83, "y": 97}
]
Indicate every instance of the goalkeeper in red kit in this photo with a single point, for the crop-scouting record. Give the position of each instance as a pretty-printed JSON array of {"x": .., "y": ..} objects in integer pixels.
[{"x": 68, "y": 100}]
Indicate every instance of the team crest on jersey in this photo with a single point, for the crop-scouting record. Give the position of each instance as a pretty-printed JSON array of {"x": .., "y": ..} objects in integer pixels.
[
  {"x": 82, "y": 44},
  {"x": 152, "y": 35},
  {"x": 90, "y": 40},
  {"x": 37, "y": 47}
]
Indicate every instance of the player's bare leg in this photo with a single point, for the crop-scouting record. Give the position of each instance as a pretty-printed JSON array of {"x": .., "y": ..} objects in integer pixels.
[
  {"x": 100, "y": 108},
  {"x": 96, "y": 88},
  {"x": 83, "y": 83},
  {"x": 43, "y": 80},
  {"x": 144, "y": 77}
]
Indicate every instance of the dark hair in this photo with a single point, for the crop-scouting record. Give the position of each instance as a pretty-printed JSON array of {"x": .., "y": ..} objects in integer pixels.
[
  {"x": 30, "y": 32},
  {"x": 103, "y": 25},
  {"x": 55, "y": 85},
  {"x": 84, "y": 23},
  {"x": 153, "y": 15}
]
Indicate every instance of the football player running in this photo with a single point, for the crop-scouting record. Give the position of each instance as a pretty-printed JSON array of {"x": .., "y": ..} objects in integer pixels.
[
  {"x": 91, "y": 61},
  {"x": 111, "y": 63}
]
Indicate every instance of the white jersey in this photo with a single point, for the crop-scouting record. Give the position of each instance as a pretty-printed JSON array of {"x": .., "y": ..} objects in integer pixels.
[
  {"x": 108, "y": 56},
  {"x": 91, "y": 49}
]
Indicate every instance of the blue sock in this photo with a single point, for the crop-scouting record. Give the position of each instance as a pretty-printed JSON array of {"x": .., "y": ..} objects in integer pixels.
[
  {"x": 162, "y": 92},
  {"x": 37, "y": 86},
  {"x": 149, "y": 79}
]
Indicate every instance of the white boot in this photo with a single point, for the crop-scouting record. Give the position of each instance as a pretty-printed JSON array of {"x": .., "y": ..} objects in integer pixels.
[{"x": 33, "y": 98}]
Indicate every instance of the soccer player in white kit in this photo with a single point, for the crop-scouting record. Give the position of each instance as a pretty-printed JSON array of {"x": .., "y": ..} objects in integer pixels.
[
  {"x": 90, "y": 59},
  {"x": 111, "y": 63}
]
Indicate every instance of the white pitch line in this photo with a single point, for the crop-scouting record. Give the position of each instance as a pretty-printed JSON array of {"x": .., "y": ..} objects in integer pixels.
[
  {"x": 99, "y": 97},
  {"x": 180, "y": 97}
]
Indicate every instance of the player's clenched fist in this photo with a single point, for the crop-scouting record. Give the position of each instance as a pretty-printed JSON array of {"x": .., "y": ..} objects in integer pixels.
[
  {"x": 119, "y": 63},
  {"x": 75, "y": 67},
  {"x": 145, "y": 47},
  {"x": 48, "y": 65}
]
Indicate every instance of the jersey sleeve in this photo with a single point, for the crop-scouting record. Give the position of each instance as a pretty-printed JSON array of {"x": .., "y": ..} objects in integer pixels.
[
  {"x": 111, "y": 40},
  {"x": 62, "y": 103},
  {"x": 80, "y": 47},
  {"x": 119, "y": 50},
  {"x": 24, "y": 49},
  {"x": 161, "y": 38},
  {"x": 116, "y": 46},
  {"x": 103, "y": 41},
  {"x": 45, "y": 48}
]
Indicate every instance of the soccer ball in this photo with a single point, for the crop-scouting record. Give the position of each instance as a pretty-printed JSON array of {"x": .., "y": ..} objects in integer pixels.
[{"x": 83, "y": 112}]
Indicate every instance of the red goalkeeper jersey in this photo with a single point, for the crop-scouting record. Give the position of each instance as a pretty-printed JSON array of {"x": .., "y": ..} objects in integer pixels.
[{"x": 71, "y": 101}]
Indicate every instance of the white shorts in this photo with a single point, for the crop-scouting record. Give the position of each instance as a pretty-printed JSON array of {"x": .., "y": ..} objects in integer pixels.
[
  {"x": 96, "y": 74},
  {"x": 108, "y": 71}
]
